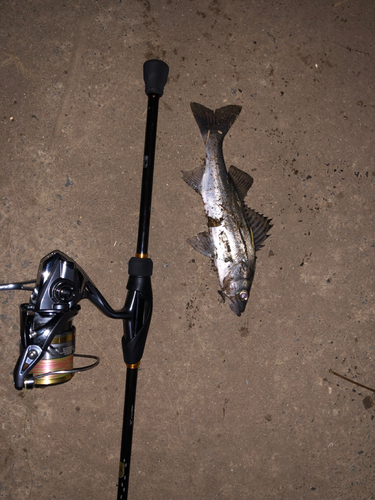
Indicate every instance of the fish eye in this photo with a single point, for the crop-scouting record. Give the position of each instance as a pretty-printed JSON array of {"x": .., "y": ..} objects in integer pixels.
[{"x": 244, "y": 295}]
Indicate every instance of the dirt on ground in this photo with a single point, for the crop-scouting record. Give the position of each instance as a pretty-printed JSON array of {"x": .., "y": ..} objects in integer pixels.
[{"x": 227, "y": 407}]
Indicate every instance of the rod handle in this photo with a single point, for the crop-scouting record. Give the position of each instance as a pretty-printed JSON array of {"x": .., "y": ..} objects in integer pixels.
[{"x": 155, "y": 74}]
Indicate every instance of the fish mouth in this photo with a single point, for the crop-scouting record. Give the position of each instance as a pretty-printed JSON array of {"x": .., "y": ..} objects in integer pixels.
[
  {"x": 237, "y": 304},
  {"x": 237, "y": 289}
]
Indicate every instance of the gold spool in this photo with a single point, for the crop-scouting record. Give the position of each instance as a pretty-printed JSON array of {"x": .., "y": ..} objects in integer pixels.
[
  {"x": 62, "y": 361},
  {"x": 51, "y": 365}
]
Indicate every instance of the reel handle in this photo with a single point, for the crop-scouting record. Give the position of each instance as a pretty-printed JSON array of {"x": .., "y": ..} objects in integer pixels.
[{"x": 155, "y": 75}]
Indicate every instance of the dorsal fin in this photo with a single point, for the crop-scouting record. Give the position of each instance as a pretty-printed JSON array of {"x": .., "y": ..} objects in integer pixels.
[
  {"x": 241, "y": 180},
  {"x": 214, "y": 123},
  {"x": 259, "y": 224}
]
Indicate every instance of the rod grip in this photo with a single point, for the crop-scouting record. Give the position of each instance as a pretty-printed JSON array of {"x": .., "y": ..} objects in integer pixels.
[{"x": 155, "y": 74}]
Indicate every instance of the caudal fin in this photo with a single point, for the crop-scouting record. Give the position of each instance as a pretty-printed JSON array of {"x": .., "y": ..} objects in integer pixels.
[{"x": 216, "y": 122}]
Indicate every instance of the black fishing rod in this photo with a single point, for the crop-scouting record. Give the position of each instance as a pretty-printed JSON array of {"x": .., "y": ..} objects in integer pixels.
[
  {"x": 47, "y": 346},
  {"x": 139, "y": 297}
]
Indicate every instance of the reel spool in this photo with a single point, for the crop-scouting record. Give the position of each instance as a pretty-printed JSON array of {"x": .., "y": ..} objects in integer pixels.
[
  {"x": 56, "y": 365},
  {"x": 61, "y": 370}
]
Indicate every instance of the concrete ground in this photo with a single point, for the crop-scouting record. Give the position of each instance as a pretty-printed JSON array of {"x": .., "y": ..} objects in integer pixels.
[{"x": 227, "y": 407}]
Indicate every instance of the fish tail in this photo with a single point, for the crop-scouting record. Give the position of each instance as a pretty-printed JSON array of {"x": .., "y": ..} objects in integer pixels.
[{"x": 214, "y": 123}]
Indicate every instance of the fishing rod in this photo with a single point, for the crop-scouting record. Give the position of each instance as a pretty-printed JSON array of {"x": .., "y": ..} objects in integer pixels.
[
  {"x": 47, "y": 347},
  {"x": 139, "y": 298}
]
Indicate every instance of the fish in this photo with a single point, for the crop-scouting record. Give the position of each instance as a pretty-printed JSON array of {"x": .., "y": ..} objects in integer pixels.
[{"x": 234, "y": 231}]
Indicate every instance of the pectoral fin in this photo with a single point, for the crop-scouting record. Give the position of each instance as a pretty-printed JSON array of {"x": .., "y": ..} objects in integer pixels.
[
  {"x": 259, "y": 224},
  {"x": 202, "y": 243}
]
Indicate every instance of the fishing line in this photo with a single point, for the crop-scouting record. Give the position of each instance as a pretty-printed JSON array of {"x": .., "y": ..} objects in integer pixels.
[{"x": 56, "y": 366}]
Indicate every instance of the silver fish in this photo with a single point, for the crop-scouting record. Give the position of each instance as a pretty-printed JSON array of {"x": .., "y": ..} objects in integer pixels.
[{"x": 235, "y": 231}]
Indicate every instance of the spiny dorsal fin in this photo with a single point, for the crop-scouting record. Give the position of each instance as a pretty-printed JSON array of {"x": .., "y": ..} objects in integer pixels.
[
  {"x": 259, "y": 224},
  {"x": 241, "y": 180},
  {"x": 216, "y": 122},
  {"x": 194, "y": 177},
  {"x": 202, "y": 243}
]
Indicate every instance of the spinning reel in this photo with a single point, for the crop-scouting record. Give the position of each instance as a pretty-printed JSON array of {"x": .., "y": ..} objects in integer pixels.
[{"x": 47, "y": 331}]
